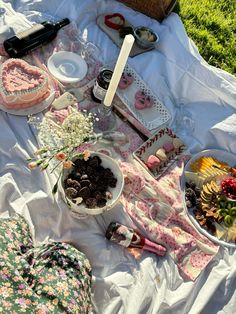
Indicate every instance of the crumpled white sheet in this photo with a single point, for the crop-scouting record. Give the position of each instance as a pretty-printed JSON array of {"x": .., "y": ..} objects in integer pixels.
[{"x": 176, "y": 73}]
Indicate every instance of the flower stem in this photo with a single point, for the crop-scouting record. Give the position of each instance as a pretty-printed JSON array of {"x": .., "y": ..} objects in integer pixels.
[
  {"x": 56, "y": 166},
  {"x": 54, "y": 190}
]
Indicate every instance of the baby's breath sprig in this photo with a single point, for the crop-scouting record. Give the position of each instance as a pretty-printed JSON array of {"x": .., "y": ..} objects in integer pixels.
[{"x": 65, "y": 139}]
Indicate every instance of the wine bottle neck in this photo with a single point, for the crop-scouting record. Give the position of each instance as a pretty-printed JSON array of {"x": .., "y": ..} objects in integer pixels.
[{"x": 62, "y": 23}]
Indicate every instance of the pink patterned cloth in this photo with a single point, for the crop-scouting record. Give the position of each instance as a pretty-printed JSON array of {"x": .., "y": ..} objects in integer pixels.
[{"x": 157, "y": 208}]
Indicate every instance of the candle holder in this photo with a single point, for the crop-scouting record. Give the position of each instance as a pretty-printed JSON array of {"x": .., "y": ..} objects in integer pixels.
[{"x": 105, "y": 119}]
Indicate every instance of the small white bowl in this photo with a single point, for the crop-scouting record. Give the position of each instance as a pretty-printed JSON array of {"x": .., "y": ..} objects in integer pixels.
[{"x": 80, "y": 210}]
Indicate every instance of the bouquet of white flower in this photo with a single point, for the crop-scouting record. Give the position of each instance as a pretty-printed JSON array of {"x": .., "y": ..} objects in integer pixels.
[{"x": 70, "y": 129}]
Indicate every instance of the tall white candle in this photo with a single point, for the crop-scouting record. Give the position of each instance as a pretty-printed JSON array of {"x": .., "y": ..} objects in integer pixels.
[{"x": 119, "y": 68}]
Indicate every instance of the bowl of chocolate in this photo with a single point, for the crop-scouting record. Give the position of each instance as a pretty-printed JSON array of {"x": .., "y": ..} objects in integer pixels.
[
  {"x": 145, "y": 37},
  {"x": 93, "y": 186}
]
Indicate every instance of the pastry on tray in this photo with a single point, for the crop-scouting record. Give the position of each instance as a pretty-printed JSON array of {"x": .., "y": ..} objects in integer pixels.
[
  {"x": 160, "y": 151},
  {"x": 142, "y": 101},
  {"x": 125, "y": 81},
  {"x": 22, "y": 85}
]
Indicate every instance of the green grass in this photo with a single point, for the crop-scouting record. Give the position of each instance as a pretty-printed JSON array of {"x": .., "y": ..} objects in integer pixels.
[{"x": 211, "y": 24}]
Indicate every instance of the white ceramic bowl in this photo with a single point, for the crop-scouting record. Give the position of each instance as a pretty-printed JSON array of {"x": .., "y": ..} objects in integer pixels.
[{"x": 81, "y": 211}]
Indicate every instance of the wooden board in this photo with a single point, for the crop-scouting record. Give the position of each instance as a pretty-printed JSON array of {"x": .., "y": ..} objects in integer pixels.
[{"x": 115, "y": 36}]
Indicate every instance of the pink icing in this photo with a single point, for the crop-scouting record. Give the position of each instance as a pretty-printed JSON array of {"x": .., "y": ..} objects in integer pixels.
[
  {"x": 22, "y": 85},
  {"x": 139, "y": 94},
  {"x": 168, "y": 147},
  {"x": 148, "y": 102},
  {"x": 140, "y": 103},
  {"x": 153, "y": 162},
  {"x": 125, "y": 81}
]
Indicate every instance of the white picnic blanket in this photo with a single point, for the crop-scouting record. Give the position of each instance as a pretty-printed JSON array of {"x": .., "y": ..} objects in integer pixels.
[{"x": 177, "y": 74}]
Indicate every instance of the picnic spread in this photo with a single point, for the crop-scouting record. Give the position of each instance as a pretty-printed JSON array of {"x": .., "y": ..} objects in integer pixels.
[{"x": 118, "y": 167}]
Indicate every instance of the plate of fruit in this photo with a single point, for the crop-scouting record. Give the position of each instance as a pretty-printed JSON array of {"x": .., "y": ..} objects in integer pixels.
[{"x": 209, "y": 185}]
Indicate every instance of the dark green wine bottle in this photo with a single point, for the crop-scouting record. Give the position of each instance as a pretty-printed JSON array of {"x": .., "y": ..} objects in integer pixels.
[{"x": 39, "y": 34}]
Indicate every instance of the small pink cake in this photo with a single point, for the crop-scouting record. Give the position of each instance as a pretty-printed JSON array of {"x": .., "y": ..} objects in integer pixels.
[
  {"x": 22, "y": 85},
  {"x": 168, "y": 147},
  {"x": 177, "y": 143},
  {"x": 149, "y": 102},
  {"x": 161, "y": 154},
  {"x": 142, "y": 101},
  {"x": 125, "y": 81},
  {"x": 139, "y": 94},
  {"x": 153, "y": 162}
]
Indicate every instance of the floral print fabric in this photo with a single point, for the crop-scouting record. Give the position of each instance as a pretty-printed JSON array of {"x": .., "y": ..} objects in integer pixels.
[
  {"x": 157, "y": 207},
  {"x": 52, "y": 278}
]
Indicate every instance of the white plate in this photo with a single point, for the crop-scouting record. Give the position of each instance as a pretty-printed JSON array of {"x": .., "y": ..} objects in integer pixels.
[
  {"x": 150, "y": 118},
  {"x": 220, "y": 155},
  {"x": 155, "y": 142},
  {"x": 34, "y": 109},
  {"x": 67, "y": 67},
  {"x": 81, "y": 211}
]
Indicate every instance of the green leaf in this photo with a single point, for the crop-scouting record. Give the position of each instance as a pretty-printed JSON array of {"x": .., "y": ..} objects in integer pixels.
[
  {"x": 44, "y": 166},
  {"x": 78, "y": 156},
  {"x": 55, "y": 188},
  {"x": 39, "y": 161}
]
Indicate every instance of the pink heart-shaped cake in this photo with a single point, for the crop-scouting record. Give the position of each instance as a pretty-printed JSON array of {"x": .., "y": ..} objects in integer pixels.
[{"x": 22, "y": 85}]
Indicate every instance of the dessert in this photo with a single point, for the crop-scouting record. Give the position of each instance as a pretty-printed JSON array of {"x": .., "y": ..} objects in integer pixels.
[
  {"x": 160, "y": 153},
  {"x": 125, "y": 81},
  {"x": 148, "y": 102},
  {"x": 114, "y": 21},
  {"x": 153, "y": 162},
  {"x": 139, "y": 94},
  {"x": 89, "y": 182},
  {"x": 146, "y": 34},
  {"x": 168, "y": 147},
  {"x": 142, "y": 101},
  {"x": 145, "y": 37},
  {"x": 22, "y": 85},
  {"x": 177, "y": 143}
]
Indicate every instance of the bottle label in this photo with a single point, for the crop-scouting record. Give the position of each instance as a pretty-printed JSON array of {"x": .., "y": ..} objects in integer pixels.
[
  {"x": 98, "y": 91},
  {"x": 123, "y": 236},
  {"x": 28, "y": 32}
]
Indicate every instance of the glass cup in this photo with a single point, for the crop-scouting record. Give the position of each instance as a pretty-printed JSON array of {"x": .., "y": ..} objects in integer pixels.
[
  {"x": 183, "y": 124},
  {"x": 105, "y": 118}
]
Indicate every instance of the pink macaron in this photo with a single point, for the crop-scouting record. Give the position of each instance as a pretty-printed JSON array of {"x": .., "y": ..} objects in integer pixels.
[
  {"x": 168, "y": 147},
  {"x": 153, "y": 162}
]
